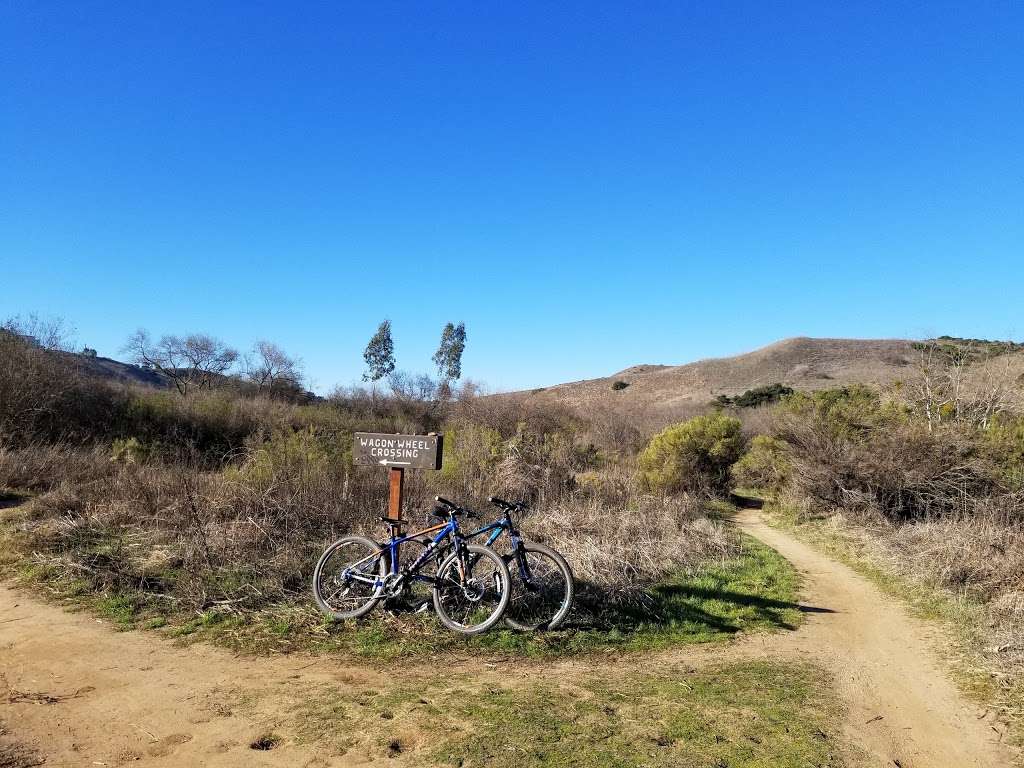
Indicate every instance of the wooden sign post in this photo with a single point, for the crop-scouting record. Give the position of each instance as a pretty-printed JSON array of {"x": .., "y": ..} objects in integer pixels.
[{"x": 398, "y": 453}]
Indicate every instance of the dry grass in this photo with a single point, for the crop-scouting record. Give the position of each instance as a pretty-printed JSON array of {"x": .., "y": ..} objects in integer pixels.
[{"x": 618, "y": 549}]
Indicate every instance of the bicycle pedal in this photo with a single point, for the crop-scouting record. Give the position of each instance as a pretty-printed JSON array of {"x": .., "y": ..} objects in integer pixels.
[{"x": 423, "y": 607}]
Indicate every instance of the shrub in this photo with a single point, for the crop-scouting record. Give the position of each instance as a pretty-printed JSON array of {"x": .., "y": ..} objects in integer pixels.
[
  {"x": 692, "y": 456},
  {"x": 1004, "y": 443},
  {"x": 762, "y": 395},
  {"x": 132, "y": 451},
  {"x": 617, "y": 385},
  {"x": 764, "y": 465},
  {"x": 855, "y": 449},
  {"x": 752, "y": 398}
]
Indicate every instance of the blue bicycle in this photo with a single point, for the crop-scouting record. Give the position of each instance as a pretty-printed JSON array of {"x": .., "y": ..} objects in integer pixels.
[{"x": 471, "y": 587}]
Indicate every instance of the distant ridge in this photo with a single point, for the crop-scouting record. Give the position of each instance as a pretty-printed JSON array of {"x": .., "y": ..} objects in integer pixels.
[{"x": 801, "y": 363}]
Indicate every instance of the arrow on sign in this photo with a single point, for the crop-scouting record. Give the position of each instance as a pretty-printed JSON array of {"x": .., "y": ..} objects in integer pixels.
[{"x": 386, "y": 462}]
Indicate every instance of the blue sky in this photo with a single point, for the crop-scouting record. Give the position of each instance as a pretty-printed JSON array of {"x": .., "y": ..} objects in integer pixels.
[{"x": 588, "y": 186}]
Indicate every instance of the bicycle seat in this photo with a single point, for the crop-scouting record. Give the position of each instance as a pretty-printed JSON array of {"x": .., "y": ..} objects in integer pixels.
[{"x": 392, "y": 521}]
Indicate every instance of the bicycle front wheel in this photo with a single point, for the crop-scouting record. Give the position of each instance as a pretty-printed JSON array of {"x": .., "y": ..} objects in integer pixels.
[
  {"x": 542, "y": 588},
  {"x": 472, "y": 590},
  {"x": 346, "y": 579}
]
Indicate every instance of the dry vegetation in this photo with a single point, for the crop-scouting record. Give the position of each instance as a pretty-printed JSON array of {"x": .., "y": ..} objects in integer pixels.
[{"x": 218, "y": 496}]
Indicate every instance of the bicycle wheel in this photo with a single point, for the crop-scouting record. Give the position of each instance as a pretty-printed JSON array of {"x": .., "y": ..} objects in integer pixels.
[
  {"x": 542, "y": 596},
  {"x": 343, "y": 580},
  {"x": 474, "y": 601}
]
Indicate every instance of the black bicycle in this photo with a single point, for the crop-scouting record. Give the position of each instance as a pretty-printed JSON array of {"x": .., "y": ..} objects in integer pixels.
[{"x": 543, "y": 593}]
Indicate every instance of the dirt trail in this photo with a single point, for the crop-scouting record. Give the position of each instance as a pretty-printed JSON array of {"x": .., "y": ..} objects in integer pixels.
[
  {"x": 117, "y": 698},
  {"x": 904, "y": 711}
]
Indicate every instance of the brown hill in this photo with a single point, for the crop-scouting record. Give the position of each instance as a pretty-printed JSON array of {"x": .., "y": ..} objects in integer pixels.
[{"x": 801, "y": 363}]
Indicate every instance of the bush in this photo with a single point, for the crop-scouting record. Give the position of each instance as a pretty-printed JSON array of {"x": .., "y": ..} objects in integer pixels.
[
  {"x": 764, "y": 465},
  {"x": 1004, "y": 444},
  {"x": 855, "y": 449},
  {"x": 752, "y": 398},
  {"x": 692, "y": 456},
  {"x": 619, "y": 385}
]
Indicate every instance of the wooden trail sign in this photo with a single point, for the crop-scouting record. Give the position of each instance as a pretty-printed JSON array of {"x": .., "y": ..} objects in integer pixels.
[
  {"x": 397, "y": 453},
  {"x": 406, "y": 451}
]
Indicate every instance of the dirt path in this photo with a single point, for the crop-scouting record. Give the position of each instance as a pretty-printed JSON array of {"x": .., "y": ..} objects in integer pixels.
[
  {"x": 904, "y": 711},
  {"x": 82, "y": 694}
]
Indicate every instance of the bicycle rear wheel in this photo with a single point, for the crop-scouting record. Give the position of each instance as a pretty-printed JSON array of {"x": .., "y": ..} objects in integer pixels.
[
  {"x": 542, "y": 588},
  {"x": 472, "y": 590},
  {"x": 344, "y": 578}
]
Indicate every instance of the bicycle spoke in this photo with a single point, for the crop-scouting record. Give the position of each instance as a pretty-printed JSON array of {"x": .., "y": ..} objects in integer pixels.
[{"x": 345, "y": 581}]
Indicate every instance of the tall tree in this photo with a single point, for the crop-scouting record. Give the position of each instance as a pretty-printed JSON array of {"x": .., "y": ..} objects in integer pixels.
[
  {"x": 379, "y": 354},
  {"x": 448, "y": 357}
]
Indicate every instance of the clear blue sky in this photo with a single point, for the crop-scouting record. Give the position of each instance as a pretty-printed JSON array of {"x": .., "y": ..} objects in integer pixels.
[{"x": 588, "y": 186}]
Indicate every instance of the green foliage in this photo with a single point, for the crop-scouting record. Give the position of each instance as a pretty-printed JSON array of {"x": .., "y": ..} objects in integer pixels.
[
  {"x": 379, "y": 354},
  {"x": 969, "y": 350},
  {"x": 692, "y": 456},
  {"x": 765, "y": 465},
  {"x": 300, "y": 457},
  {"x": 131, "y": 451},
  {"x": 1004, "y": 444},
  {"x": 448, "y": 357},
  {"x": 471, "y": 453},
  {"x": 844, "y": 411},
  {"x": 752, "y": 398},
  {"x": 619, "y": 385}
]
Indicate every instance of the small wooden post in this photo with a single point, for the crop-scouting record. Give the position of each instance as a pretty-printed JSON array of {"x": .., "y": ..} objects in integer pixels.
[{"x": 397, "y": 483}]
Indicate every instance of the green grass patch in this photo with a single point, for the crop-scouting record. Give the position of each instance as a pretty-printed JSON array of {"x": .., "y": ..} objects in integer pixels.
[
  {"x": 121, "y": 609},
  {"x": 753, "y": 591},
  {"x": 739, "y": 715},
  {"x": 748, "y": 714}
]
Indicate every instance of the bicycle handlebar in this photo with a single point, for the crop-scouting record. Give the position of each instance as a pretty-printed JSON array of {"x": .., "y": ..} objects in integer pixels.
[
  {"x": 509, "y": 506},
  {"x": 452, "y": 508}
]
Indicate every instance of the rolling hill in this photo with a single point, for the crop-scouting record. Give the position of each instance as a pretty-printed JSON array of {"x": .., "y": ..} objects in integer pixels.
[{"x": 801, "y": 363}]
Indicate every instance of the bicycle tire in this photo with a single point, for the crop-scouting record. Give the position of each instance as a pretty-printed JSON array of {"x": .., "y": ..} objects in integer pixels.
[
  {"x": 516, "y": 619},
  {"x": 476, "y": 555},
  {"x": 362, "y": 607}
]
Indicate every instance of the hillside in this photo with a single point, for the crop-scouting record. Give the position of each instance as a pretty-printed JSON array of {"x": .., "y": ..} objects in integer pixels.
[
  {"x": 114, "y": 370},
  {"x": 801, "y": 363}
]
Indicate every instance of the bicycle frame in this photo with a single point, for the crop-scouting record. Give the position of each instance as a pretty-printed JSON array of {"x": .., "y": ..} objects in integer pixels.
[
  {"x": 450, "y": 528},
  {"x": 499, "y": 527}
]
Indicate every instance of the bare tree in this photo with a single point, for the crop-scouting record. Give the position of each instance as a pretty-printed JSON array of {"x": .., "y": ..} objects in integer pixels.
[
  {"x": 412, "y": 387},
  {"x": 35, "y": 378},
  {"x": 194, "y": 361},
  {"x": 51, "y": 333},
  {"x": 271, "y": 369},
  {"x": 961, "y": 382}
]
